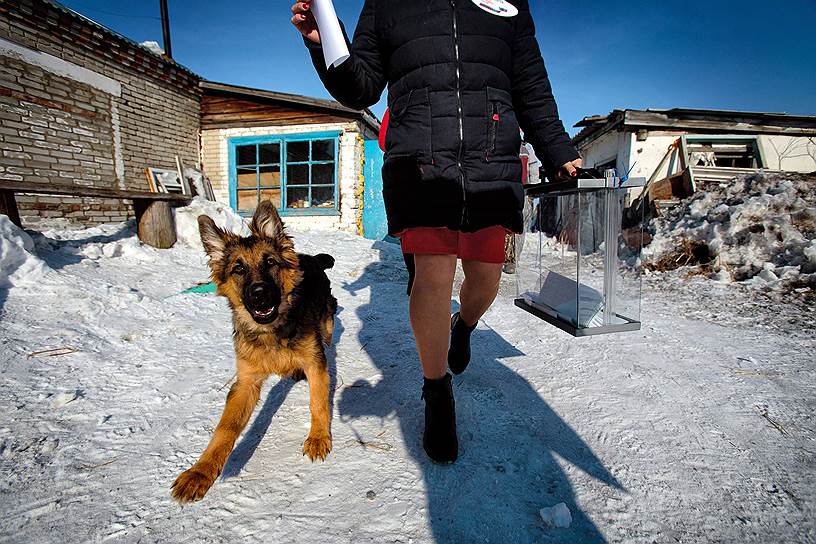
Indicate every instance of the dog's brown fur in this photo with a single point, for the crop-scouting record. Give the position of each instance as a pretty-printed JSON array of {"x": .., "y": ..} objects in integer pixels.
[{"x": 290, "y": 345}]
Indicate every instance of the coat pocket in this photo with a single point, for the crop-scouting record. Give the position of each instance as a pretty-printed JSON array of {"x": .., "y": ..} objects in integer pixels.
[
  {"x": 409, "y": 125},
  {"x": 502, "y": 138}
]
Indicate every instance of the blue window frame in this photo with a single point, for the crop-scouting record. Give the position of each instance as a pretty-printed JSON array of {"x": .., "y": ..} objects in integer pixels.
[{"x": 297, "y": 172}]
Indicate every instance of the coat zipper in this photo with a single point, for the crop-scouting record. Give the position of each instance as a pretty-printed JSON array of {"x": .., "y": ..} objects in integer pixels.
[
  {"x": 463, "y": 220},
  {"x": 494, "y": 128}
]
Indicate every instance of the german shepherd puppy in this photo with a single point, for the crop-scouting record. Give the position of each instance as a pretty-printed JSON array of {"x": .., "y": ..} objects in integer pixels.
[{"x": 283, "y": 318}]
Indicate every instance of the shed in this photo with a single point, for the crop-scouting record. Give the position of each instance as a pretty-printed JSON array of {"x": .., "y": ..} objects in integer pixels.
[
  {"x": 693, "y": 147},
  {"x": 303, "y": 153}
]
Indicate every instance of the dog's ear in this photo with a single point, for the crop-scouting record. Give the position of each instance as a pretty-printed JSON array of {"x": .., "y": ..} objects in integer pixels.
[
  {"x": 266, "y": 223},
  {"x": 213, "y": 238}
]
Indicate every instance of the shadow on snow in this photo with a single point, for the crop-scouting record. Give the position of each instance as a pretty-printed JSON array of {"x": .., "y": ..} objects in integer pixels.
[{"x": 509, "y": 437}]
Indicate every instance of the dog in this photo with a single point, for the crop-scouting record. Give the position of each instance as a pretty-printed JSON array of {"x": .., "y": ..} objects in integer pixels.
[{"x": 283, "y": 320}]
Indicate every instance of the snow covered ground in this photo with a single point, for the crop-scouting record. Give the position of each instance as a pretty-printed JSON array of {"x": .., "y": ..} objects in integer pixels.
[{"x": 699, "y": 428}]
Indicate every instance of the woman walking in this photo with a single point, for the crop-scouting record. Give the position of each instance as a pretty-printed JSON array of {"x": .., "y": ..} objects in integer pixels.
[{"x": 463, "y": 76}]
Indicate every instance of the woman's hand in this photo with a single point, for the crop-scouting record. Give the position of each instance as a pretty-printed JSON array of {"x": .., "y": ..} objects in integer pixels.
[
  {"x": 568, "y": 170},
  {"x": 304, "y": 21}
]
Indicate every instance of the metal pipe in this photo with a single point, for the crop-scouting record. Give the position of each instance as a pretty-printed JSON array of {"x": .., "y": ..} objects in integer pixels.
[{"x": 166, "y": 28}]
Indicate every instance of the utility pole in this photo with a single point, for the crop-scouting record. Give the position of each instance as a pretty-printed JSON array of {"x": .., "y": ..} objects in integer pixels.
[{"x": 166, "y": 29}]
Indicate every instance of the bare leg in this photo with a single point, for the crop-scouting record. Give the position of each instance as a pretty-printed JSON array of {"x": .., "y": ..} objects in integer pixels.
[
  {"x": 193, "y": 483},
  {"x": 430, "y": 311},
  {"x": 478, "y": 290}
]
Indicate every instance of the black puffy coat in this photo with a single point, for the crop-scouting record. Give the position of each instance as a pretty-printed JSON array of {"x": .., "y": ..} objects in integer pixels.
[{"x": 461, "y": 82}]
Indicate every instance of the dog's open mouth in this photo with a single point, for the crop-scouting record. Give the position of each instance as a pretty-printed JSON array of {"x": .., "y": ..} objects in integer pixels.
[{"x": 264, "y": 315}]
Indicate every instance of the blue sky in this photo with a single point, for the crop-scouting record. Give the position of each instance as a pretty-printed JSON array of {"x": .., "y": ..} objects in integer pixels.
[{"x": 601, "y": 55}]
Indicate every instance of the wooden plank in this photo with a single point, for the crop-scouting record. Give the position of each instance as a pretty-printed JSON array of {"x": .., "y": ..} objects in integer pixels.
[
  {"x": 212, "y": 89},
  {"x": 221, "y": 111},
  {"x": 270, "y": 123},
  {"x": 8, "y": 206},
  {"x": 675, "y": 186},
  {"x": 660, "y": 189},
  {"x": 732, "y": 125},
  {"x": 273, "y": 117},
  {"x": 90, "y": 192}
]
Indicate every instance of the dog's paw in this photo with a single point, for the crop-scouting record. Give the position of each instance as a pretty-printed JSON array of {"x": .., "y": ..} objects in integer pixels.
[
  {"x": 191, "y": 485},
  {"x": 317, "y": 447}
]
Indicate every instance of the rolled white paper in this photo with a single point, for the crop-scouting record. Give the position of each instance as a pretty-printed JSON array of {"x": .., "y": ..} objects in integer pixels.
[{"x": 335, "y": 50}]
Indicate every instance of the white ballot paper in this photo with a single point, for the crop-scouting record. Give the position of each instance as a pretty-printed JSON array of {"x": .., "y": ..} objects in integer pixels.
[
  {"x": 335, "y": 50},
  {"x": 565, "y": 298}
]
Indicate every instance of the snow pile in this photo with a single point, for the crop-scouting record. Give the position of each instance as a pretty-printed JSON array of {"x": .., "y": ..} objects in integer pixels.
[
  {"x": 18, "y": 262},
  {"x": 128, "y": 247},
  {"x": 224, "y": 216},
  {"x": 108, "y": 240},
  {"x": 557, "y": 516},
  {"x": 759, "y": 227},
  {"x": 153, "y": 47}
]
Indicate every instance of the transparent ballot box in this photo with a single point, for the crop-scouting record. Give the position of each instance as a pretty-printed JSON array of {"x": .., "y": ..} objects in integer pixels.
[{"x": 578, "y": 263}]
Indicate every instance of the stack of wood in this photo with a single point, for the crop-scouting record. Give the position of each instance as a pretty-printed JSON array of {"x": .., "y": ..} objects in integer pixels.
[{"x": 667, "y": 193}]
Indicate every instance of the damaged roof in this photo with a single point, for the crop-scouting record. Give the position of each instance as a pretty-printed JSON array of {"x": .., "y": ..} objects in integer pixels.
[{"x": 695, "y": 120}]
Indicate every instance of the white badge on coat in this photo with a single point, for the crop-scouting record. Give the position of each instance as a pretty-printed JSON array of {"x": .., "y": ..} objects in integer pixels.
[{"x": 502, "y": 8}]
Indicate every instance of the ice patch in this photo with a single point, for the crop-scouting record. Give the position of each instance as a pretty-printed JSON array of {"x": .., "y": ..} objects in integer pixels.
[
  {"x": 18, "y": 262},
  {"x": 558, "y": 516}
]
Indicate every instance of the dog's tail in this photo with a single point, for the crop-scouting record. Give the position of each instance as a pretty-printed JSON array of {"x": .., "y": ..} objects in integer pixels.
[{"x": 324, "y": 261}]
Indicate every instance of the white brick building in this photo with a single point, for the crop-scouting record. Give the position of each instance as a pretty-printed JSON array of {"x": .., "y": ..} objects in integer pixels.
[
  {"x": 304, "y": 154},
  {"x": 703, "y": 145}
]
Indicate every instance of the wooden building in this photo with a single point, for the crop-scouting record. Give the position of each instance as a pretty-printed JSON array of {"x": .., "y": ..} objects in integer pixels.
[{"x": 303, "y": 153}]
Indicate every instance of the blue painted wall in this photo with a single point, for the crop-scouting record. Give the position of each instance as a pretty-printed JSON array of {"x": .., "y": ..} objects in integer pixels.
[{"x": 375, "y": 226}]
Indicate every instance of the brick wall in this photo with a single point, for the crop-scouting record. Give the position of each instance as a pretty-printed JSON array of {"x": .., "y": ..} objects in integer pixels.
[{"x": 81, "y": 105}]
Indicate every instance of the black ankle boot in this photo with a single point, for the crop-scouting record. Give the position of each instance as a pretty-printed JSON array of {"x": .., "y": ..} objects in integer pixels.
[
  {"x": 439, "y": 439},
  {"x": 459, "y": 351}
]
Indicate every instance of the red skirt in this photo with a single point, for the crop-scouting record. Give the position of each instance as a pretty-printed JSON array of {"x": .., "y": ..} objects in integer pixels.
[{"x": 485, "y": 245}]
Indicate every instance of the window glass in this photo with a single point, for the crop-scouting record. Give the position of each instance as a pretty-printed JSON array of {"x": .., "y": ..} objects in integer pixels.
[
  {"x": 271, "y": 194},
  {"x": 323, "y": 197},
  {"x": 247, "y": 200},
  {"x": 323, "y": 150},
  {"x": 323, "y": 174},
  {"x": 297, "y": 174},
  {"x": 305, "y": 180},
  {"x": 297, "y": 197},
  {"x": 297, "y": 151},
  {"x": 247, "y": 177},
  {"x": 245, "y": 154},
  {"x": 269, "y": 176},
  {"x": 269, "y": 153}
]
